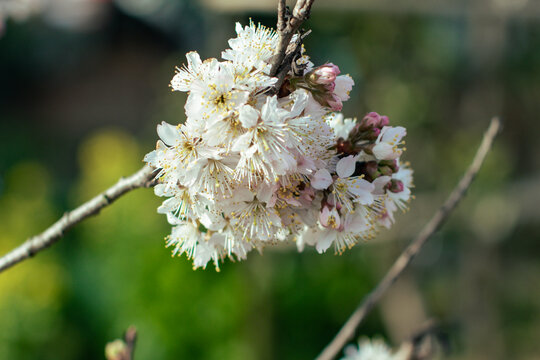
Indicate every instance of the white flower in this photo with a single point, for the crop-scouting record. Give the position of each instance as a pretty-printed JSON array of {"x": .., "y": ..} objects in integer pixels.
[
  {"x": 372, "y": 350},
  {"x": 253, "y": 47},
  {"x": 215, "y": 95},
  {"x": 251, "y": 217},
  {"x": 386, "y": 145},
  {"x": 342, "y": 127},
  {"x": 345, "y": 188},
  {"x": 405, "y": 181},
  {"x": 343, "y": 232}
]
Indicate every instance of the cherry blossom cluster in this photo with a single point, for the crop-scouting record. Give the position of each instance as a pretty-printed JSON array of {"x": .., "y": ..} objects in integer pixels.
[
  {"x": 249, "y": 169},
  {"x": 373, "y": 350}
]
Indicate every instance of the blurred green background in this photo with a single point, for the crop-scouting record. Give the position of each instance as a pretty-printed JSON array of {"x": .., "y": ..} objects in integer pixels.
[{"x": 83, "y": 85}]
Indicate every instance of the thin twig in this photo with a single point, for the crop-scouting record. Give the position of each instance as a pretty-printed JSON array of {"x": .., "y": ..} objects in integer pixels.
[
  {"x": 130, "y": 338},
  {"x": 349, "y": 328},
  {"x": 142, "y": 178},
  {"x": 287, "y": 26}
]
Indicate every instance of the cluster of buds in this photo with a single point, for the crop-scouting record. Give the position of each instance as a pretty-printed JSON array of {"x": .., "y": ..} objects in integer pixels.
[
  {"x": 322, "y": 82},
  {"x": 247, "y": 169}
]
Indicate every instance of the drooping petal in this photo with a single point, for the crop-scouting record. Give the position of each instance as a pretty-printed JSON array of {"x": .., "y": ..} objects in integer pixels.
[{"x": 325, "y": 239}]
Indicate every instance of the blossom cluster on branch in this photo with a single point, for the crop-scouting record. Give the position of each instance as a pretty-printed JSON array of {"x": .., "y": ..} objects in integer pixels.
[
  {"x": 373, "y": 350},
  {"x": 249, "y": 169}
]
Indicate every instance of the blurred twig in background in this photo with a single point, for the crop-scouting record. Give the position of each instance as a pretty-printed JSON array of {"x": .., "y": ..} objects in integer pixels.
[
  {"x": 142, "y": 178},
  {"x": 122, "y": 349},
  {"x": 348, "y": 330}
]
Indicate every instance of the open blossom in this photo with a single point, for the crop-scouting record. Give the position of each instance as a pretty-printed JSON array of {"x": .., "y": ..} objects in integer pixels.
[{"x": 248, "y": 169}]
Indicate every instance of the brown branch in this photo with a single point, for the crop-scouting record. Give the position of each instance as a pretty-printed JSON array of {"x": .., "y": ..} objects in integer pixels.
[
  {"x": 130, "y": 338},
  {"x": 349, "y": 328},
  {"x": 287, "y": 26},
  {"x": 142, "y": 178}
]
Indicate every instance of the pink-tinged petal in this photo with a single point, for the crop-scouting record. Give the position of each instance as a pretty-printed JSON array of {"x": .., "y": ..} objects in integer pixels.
[
  {"x": 346, "y": 166},
  {"x": 357, "y": 224},
  {"x": 359, "y": 186},
  {"x": 323, "y": 216},
  {"x": 334, "y": 102},
  {"x": 379, "y": 184},
  {"x": 321, "y": 179},
  {"x": 248, "y": 116},
  {"x": 330, "y": 218},
  {"x": 168, "y": 133}
]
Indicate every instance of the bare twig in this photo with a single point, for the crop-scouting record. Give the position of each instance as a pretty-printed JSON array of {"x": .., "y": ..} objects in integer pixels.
[
  {"x": 349, "y": 328},
  {"x": 287, "y": 26},
  {"x": 142, "y": 178},
  {"x": 130, "y": 338}
]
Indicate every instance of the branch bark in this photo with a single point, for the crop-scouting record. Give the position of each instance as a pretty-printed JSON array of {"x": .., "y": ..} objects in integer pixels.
[
  {"x": 287, "y": 26},
  {"x": 142, "y": 178},
  {"x": 349, "y": 328}
]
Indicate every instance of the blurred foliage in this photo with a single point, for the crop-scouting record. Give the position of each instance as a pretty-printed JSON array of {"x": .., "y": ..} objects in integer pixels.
[{"x": 78, "y": 110}]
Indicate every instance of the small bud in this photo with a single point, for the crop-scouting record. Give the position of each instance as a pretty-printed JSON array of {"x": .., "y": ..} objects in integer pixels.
[
  {"x": 325, "y": 74},
  {"x": 385, "y": 170},
  {"x": 392, "y": 164},
  {"x": 371, "y": 169},
  {"x": 371, "y": 120},
  {"x": 334, "y": 102},
  {"x": 395, "y": 186}
]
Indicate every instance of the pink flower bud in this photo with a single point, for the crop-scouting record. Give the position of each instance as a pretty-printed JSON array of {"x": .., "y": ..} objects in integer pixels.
[
  {"x": 371, "y": 120},
  {"x": 395, "y": 186},
  {"x": 325, "y": 74},
  {"x": 334, "y": 102},
  {"x": 374, "y": 120}
]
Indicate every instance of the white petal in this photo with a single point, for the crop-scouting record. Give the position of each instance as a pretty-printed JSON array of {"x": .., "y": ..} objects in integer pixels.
[
  {"x": 346, "y": 166},
  {"x": 321, "y": 180},
  {"x": 385, "y": 151},
  {"x": 243, "y": 142},
  {"x": 212, "y": 221},
  {"x": 344, "y": 84},
  {"x": 168, "y": 133},
  {"x": 325, "y": 240},
  {"x": 392, "y": 134},
  {"x": 379, "y": 184},
  {"x": 248, "y": 116}
]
